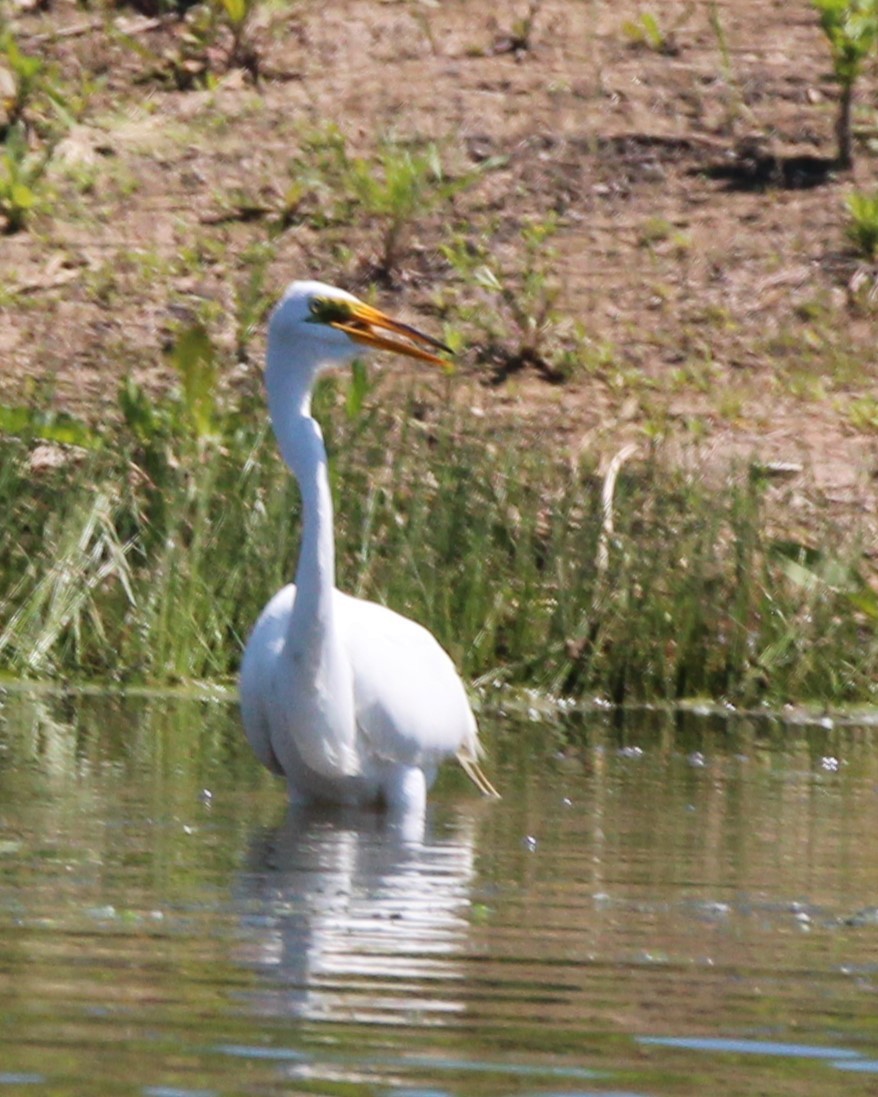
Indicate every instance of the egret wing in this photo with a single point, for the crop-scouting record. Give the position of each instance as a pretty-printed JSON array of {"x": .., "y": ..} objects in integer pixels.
[
  {"x": 258, "y": 670},
  {"x": 411, "y": 705}
]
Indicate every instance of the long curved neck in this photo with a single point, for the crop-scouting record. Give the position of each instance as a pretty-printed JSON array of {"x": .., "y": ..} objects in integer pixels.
[
  {"x": 301, "y": 444},
  {"x": 319, "y": 676}
]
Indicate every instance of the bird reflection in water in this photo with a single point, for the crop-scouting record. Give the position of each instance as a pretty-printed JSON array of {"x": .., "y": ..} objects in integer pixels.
[{"x": 356, "y": 918}]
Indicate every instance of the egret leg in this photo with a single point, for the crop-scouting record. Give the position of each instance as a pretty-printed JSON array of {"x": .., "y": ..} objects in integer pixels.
[{"x": 405, "y": 791}]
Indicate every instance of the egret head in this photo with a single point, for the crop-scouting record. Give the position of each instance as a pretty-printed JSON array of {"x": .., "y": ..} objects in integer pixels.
[{"x": 325, "y": 326}]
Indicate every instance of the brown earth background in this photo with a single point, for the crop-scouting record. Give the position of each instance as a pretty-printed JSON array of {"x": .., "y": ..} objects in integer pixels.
[{"x": 700, "y": 245}]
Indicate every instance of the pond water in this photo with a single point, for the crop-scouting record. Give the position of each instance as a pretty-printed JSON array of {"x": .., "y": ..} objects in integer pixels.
[{"x": 664, "y": 905}]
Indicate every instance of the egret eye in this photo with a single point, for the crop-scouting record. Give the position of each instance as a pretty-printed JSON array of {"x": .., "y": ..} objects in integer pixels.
[{"x": 330, "y": 310}]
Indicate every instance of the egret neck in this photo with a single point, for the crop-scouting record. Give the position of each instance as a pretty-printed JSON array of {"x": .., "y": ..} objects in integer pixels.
[
  {"x": 312, "y": 637},
  {"x": 301, "y": 444}
]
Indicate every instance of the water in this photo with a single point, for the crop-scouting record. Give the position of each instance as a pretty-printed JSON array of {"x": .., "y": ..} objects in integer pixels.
[{"x": 668, "y": 907}]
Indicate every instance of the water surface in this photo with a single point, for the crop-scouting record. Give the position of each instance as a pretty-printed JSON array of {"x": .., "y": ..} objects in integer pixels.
[{"x": 664, "y": 905}]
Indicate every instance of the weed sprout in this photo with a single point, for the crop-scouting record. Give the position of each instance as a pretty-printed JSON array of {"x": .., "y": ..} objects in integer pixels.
[
  {"x": 862, "y": 226},
  {"x": 851, "y": 28}
]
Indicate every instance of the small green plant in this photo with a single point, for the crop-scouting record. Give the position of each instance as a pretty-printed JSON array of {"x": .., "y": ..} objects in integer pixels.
[
  {"x": 515, "y": 37},
  {"x": 654, "y": 230},
  {"x": 515, "y": 314},
  {"x": 394, "y": 191},
  {"x": 646, "y": 32},
  {"x": 851, "y": 28},
  {"x": 22, "y": 172},
  {"x": 863, "y": 413},
  {"x": 252, "y": 299},
  {"x": 194, "y": 357},
  {"x": 862, "y": 226},
  {"x": 36, "y": 95},
  {"x": 521, "y": 35},
  {"x": 317, "y": 180},
  {"x": 184, "y": 424},
  {"x": 26, "y": 74},
  {"x": 216, "y": 37},
  {"x": 31, "y": 424},
  {"x": 236, "y": 15},
  {"x": 37, "y": 113},
  {"x": 735, "y": 105}
]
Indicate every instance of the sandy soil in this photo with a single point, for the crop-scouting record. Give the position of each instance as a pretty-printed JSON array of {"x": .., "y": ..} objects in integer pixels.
[{"x": 700, "y": 247}]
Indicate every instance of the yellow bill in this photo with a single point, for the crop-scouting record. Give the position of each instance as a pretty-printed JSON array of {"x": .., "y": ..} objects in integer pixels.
[{"x": 367, "y": 325}]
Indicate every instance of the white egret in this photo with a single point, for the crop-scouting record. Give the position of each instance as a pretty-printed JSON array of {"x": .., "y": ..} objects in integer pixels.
[{"x": 352, "y": 703}]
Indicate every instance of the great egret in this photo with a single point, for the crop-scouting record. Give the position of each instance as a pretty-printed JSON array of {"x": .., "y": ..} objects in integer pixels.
[{"x": 349, "y": 701}]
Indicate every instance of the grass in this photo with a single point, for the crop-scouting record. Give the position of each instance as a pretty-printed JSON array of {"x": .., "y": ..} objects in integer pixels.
[
  {"x": 148, "y": 558},
  {"x": 39, "y": 108},
  {"x": 862, "y": 226},
  {"x": 147, "y": 553},
  {"x": 22, "y": 179},
  {"x": 645, "y": 32}
]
